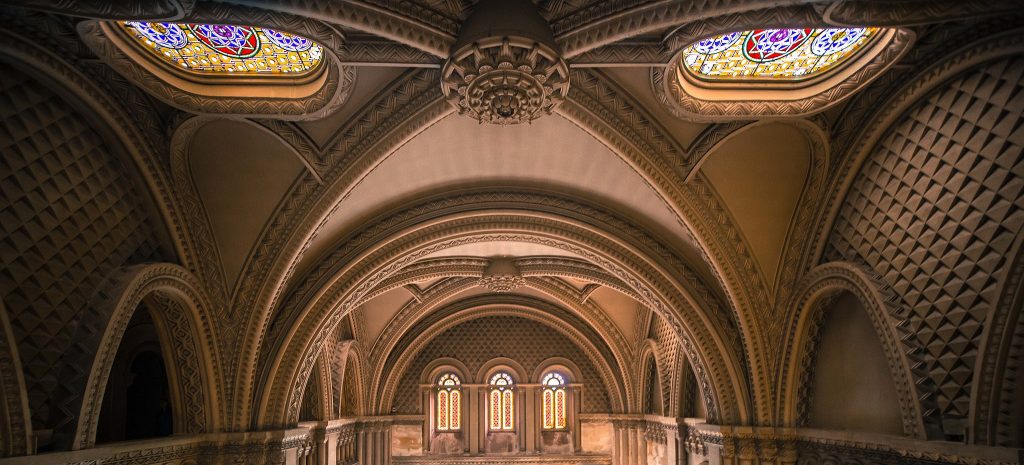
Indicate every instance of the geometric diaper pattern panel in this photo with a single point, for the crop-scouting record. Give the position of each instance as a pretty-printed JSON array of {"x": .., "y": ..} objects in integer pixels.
[
  {"x": 668, "y": 356},
  {"x": 935, "y": 210},
  {"x": 69, "y": 216},
  {"x": 525, "y": 341}
]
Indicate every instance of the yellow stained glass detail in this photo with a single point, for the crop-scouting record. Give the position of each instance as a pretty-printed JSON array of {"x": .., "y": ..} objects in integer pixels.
[
  {"x": 226, "y": 50},
  {"x": 774, "y": 54}
]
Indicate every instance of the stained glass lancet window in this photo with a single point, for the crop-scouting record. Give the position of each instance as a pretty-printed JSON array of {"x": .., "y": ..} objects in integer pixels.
[
  {"x": 774, "y": 54},
  {"x": 449, "y": 402},
  {"x": 221, "y": 49},
  {"x": 502, "y": 402},
  {"x": 553, "y": 401}
]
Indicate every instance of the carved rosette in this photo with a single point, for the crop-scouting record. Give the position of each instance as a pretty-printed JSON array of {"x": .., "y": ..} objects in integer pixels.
[
  {"x": 502, "y": 275},
  {"x": 505, "y": 80}
]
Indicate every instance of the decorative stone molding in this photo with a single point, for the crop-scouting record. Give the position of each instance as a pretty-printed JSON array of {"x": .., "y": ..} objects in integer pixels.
[
  {"x": 507, "y": 80},
  {"x": 335, "y": 297},
  {"x": 505, "y": 67},
  {"x": 397, "y": 363},
  {"x": 408, "y": 22},
  {"x": 897, "y": 12},
  {"x": 154, "y": 10},
  {"x": 880, "y": 303},
  {"x": 539, "y": 271},
  {"x": 183, "y": 312},
  {"x": 501, "y": 275}
]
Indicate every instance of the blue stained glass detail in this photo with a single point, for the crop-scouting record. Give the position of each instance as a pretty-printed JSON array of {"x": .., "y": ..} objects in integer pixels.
[
  {"x": 168, "y": 35},
  {"x": 836, "y": 40},
  {"x": 716, "y": 44},
  {"x": 292, "y": 43}
]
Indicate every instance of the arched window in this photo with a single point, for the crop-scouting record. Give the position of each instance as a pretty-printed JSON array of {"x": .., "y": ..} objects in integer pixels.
[
  {"x": 502, "y": 405},
  {"x": 449, "y": 402},
  {"x": 225, "y": 50},
  {"x": 774, "y": 54},
  {"x": 553, "y": 401}
]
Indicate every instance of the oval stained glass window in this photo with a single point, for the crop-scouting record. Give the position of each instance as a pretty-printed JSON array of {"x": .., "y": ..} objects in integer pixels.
[
  {"x": 226, "y": 50},
  {"x": 774, "y": 54}
]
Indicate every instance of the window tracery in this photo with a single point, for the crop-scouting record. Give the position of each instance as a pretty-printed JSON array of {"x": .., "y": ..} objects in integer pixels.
[
  {"x": 502, "y": 403},
  {"x": 774, "y": 54},
  {"x": 553, "y": 401},
  {"x": 226, "y": 50},
  {"x": 449, "y": 402}
]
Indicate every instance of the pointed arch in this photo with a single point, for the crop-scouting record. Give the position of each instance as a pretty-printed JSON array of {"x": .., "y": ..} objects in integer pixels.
[
  {"x": 181, "y": 314},
  {"x": 817, "y": 287}
]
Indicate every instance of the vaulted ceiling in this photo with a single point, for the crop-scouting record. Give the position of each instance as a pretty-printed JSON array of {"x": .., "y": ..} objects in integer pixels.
[{"x": 361, "y": 210}]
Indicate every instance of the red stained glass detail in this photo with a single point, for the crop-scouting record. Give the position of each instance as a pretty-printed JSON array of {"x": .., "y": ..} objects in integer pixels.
[
  {"x": 560, "y": 408},
  {"x": 495, "y": 409},
  {"x": 771, "y": 44},
  {"x": 453, "y": 410},
  {"x": 442, "y": 410},
  {"x": 233, "y": 41},
  {"x": 507, "y": 423}
]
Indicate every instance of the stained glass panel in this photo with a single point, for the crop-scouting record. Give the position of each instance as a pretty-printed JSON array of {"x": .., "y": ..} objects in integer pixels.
[
  {"x": 453, "y": 411},
  {"x": 506, "y": 414},
  {"x": 442, "y": 410},
  {"x": 448, "y": 402},
  {"x": 502, "y": 399},
  {"x": 560, "y": 408},
  {"x": 221, "y": 49},
  {"x": 495, "y": 409},
  {"x": 554, "y": 413},
  {"x": 774, "y": 54}
]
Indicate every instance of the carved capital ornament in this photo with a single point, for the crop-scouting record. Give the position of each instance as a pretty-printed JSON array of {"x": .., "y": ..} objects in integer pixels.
[{"x": 505, "y": 80}]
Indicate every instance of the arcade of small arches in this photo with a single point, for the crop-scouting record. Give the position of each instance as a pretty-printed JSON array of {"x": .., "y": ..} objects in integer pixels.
[{"x": 317, "y": 232}]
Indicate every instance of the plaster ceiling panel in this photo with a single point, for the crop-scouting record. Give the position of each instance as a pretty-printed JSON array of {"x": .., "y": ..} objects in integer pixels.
[
  {"x": 622, "y": 309},
  {"x": 501, "y": 249},
  {"x": 241, "y": 173},
  {"x": 759, "y": 175},
  {"x": 378, "y": 312},
  {"x": 636, "y": 81},
  {"x": 369, "y": 82},
  {"x": 458, "y": 152}
]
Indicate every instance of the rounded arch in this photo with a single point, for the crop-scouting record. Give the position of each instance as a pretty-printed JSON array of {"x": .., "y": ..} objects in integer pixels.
[
  {"x": 650, "y": 270},
  {"x": 353, "y": 387},
  {"x": 180, "y": 312},
  {"x": 567, "y": 368},
  {"x": 482, "y": 307},
  {"x": 617, "y": 256},
  {"x": 537, "y": 271},
  {"x": 817, "y": 287},
  {"x": 443, "y": 365},
  {"x": 501, "y": 364}
]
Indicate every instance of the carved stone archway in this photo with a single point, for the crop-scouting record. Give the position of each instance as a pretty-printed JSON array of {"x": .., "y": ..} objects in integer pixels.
[
  {"x": 180, "y": 312},
  {"x": 817, "y": 287},
  {"x": 332, "y": 298}
]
